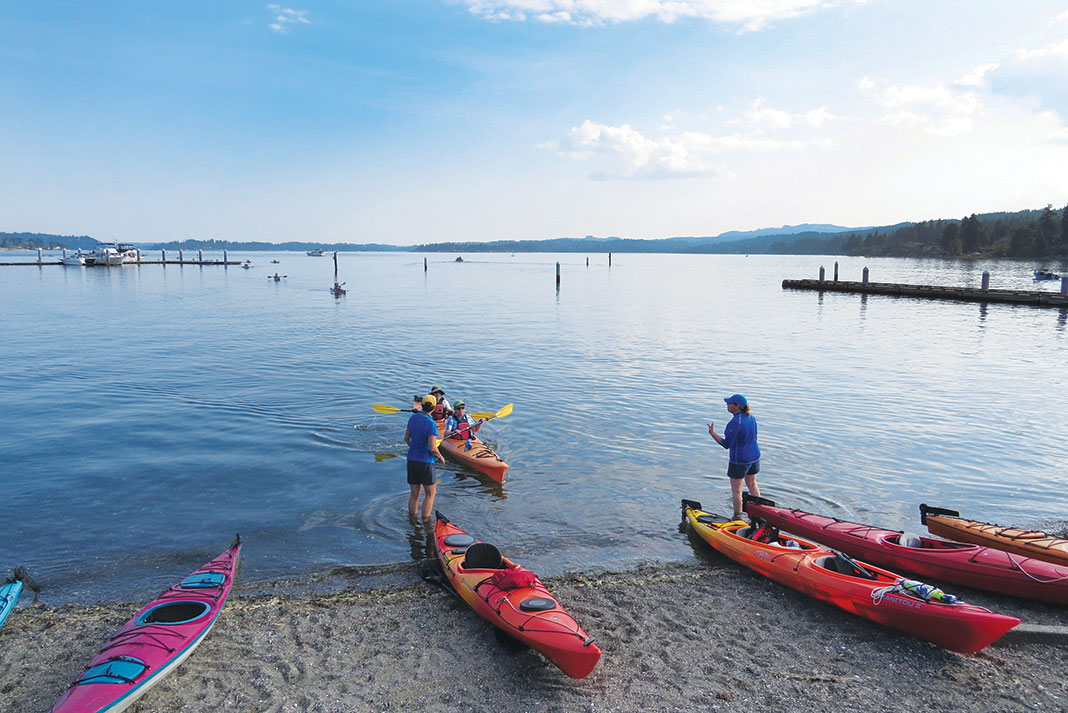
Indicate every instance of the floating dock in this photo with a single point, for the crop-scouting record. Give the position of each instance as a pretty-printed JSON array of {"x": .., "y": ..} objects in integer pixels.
[
  {"x": 934, "y": 292},
  {"x": 139, "y": 262}
]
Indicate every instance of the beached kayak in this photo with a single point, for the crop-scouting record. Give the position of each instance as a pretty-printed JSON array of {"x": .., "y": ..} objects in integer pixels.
[
  {"x": 956, "y": 562},
  {"x": 855, "y": 586},
  {"x": 478, "y": 456},
  {"x": 155, "y": 641},
  {"x": 513, "y": 599},
  {"x": 9, "y": 597},
  {"x": 1029, "y": 543}
]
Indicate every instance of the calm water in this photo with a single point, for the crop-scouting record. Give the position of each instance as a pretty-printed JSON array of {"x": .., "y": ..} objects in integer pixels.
[{"x": 150, "y": 412}]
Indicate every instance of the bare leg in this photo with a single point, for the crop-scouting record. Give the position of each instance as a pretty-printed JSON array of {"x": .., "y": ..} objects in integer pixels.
[
  {"x": 751, "y": 484},
  {"x": 428, "y": 500},
  {"x": 736, "y": 492},
  {"x": 413, "y": 499}
]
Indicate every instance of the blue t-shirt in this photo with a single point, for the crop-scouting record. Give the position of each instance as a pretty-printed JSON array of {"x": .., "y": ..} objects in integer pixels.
[
  {"x": 740, "y": 437},
  {"x": 421, "y": 427}
]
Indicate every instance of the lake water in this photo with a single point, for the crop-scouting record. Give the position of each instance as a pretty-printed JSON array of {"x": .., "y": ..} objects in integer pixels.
[{"x": 150, "y": 412}]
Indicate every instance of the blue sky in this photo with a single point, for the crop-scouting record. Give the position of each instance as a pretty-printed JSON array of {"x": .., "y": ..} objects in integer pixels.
[{"x": 410, "y": 121}]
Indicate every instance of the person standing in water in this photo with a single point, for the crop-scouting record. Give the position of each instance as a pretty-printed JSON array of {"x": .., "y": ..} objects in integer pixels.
[
  {"x": 421, "y": 435},
  {"x": 740, "y": 438}
]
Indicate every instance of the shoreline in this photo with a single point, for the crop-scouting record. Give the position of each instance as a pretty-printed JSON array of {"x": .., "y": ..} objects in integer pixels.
[{"x": 675, "y": 637}]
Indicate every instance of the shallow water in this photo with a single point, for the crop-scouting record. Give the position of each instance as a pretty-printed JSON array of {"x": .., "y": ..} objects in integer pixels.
[{"x": 151, "y": 412}]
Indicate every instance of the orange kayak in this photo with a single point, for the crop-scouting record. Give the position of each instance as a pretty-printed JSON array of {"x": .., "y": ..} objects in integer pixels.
[
  {"x": 513, "y": 599},
  {"x": 1028, "y": 543},
  {"x": 857, "y": 587},
  {"x": 478, "y": 457}
]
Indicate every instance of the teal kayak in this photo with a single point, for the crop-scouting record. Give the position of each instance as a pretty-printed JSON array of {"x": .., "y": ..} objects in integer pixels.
[{"x": 9, "y": 597}]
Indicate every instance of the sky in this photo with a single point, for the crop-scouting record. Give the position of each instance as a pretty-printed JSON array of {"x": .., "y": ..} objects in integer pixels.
[{"x": 415, "y": 121}]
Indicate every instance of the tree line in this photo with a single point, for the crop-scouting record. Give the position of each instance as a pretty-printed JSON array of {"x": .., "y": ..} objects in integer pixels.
[{"x": 1025, "y": 234}]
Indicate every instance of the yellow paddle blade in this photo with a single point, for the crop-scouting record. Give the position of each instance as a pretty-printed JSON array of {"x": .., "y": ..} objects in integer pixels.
[
  {"x": 382, "y": 408},
  {"x": 487, "y": 415}
]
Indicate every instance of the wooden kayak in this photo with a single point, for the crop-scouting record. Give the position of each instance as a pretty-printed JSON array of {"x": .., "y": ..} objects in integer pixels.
[
  {"x": 528, "y": 612},
  {"x": 1029, "y": 543},
  {"x": 855, "y": 586},
  {"x": 960, "y": 563},
  {"x": 478, "y": 457},
  {"x": 155, "y": 641}
]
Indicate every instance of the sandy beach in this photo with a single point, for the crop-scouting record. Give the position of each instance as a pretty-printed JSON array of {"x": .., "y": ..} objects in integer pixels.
[{"x": 705, "y": 636}]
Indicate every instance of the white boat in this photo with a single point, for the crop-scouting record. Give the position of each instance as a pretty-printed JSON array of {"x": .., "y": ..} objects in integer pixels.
[
  {"x": 112, "y": 254},
  {"x": 76, "y": 259},
  {"x": 317, "y": 252},
  {"x": 130, "y": 253}
]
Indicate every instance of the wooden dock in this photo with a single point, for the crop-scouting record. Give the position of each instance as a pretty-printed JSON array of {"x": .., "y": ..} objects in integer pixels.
[
  {"x": 139, "y": 262},
  {"x": 934, "y": 292}
]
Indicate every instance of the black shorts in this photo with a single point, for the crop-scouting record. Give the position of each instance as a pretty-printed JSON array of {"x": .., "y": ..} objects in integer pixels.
[{"x": 420, "y": 473}]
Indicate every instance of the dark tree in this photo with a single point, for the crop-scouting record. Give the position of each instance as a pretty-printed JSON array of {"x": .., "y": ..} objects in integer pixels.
[{"x": 951, "y": 242}]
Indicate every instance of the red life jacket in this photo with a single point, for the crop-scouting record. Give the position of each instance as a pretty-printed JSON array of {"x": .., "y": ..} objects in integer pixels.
[
  {"x": 438, "y": 414},
  {"x": 463, "y": 430}
]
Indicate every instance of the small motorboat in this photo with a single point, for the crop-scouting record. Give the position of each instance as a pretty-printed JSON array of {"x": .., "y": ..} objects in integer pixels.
[
  {"x": 317, "y": 252},
  {"x": 76, "y": 259},
  {"x": 459, "y": 259},
  {"x": 1046, "y": 275},
  {"x": 274, "y": 262}
]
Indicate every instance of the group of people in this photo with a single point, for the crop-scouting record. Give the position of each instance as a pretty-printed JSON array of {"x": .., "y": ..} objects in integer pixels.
[
  {"x": 421, "y": 435},
  {"x": 739, "y": 438}
]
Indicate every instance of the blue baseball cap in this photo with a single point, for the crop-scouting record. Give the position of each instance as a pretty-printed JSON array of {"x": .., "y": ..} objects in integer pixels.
[{"x": 737, "y": 400}]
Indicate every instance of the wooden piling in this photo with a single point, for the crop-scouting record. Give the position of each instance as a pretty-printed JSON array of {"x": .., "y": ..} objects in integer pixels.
[
  {"x": 836, "y": 271},
  {"x": 864, "y": 279},
  {"x": 821, "y": 273},
  {"x": 558, "y": 274},
  {"x": 986, "y": 280},
  {"x": 609, "y": 259},
  {"x": 424, "y": 264}
]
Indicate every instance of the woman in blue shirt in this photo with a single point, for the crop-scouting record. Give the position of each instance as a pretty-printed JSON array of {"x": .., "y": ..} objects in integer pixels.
[{"x": 740, "y": 438}]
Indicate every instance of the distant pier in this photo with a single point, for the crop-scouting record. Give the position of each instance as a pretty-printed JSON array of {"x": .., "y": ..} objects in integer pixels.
[
  {"x": 140, "y": 260},
  {"x": 935, "y": 292}
]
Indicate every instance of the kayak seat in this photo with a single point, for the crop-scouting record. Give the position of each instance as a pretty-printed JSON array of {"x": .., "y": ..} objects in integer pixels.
[
  {"x": 839, "y": 565},
  {"x": 744, "y": 532},
  {"x": 483, "y": 555},
  {"x": 907, "y": 539}
]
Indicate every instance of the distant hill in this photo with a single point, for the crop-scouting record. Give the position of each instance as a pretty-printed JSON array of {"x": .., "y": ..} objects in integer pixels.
[
  {"x": 1025, "y": 233},
  {"x": 33, "y": 241}
]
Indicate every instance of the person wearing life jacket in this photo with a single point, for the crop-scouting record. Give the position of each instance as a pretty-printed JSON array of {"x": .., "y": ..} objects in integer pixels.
[
  {"x": 460, "y": 426},
  {"x": 443, "y": 409}
]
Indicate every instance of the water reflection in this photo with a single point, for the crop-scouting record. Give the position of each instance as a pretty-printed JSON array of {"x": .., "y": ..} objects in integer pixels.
[
  {"x": 982, "y": 314},
  {"x": 1062, "y": 318},
  {"x": 420, "y": 538}
]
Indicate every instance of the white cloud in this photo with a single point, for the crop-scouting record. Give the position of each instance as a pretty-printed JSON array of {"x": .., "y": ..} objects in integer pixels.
[
  {"x": 1053, "y": 49},
  {"x": 749, "y": 14},
  {"x": 758, "y": 115},
  {"x": 940, "y": 110},
  {"x": 285, "y": 18},
  {"x": 865, "y": 83},
  {"x": 1063, "y": 17},
  {"x": 623, "y": 152},
  {"x": 977, "y": 77}
]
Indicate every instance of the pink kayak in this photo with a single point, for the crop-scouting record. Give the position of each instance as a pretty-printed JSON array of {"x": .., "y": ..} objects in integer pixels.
[
  {"x": 969, "y": 565},
  {"x": 155, "y": 641}
]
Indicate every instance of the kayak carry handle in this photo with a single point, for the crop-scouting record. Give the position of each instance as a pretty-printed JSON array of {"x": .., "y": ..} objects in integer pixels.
[
  {"x": 757, "y": 500},
  {"x": 22, "y": 575},
  {"x": 439, "y": 516},
  {"x": 236, "y": 543},
  {"x": 926, "y": 510},
  {"x": 691, "y": 505}
]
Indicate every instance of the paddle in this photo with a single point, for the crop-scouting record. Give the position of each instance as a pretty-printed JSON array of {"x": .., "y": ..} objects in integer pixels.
[
  {"x": 483, "y": 416},
  {"x": 383, "y": 408}
]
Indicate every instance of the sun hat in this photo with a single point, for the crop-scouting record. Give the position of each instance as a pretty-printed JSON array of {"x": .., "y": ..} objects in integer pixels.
[
  {"x": 436, "y": 389},
  {"x": 428, "y": 399},
  {"x": 737, "y": 400}
]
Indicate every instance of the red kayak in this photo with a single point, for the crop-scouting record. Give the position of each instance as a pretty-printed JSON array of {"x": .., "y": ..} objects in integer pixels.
[
  {"x": 968, "y": 565},
  {"x": 155, "y": 641},
  {"x": 513, "y": 599},
  {"x": 852, "y": 585}
]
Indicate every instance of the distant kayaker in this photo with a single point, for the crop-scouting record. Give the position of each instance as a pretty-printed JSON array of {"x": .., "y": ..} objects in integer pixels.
[
  {"x": 740, "y": 438},
  {"x": 421, "y": 435},
  {"x": 461, "y": 426},
  {"x": 443, "y": 409}
]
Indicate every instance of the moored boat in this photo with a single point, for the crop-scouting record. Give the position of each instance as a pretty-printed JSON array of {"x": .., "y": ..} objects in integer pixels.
[
  {"x": 852, "y": 585},
  {"x": 155, "y": 641},
  {"x": 513, "y": 599},
  {"x": 317, "y": 252},
  {"x": 965, "y": 564},
  {"x": 75, "y": 259},
  {"x": 1018, "y": 540},
  {"x": 473, "y": 453},
  {"x": 1046, "y": 275}
]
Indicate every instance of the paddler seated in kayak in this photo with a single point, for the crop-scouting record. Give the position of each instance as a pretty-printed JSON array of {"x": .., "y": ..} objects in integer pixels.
[
  {"x": 443, "y": 409},
  {"x": 460, "y": 426}
]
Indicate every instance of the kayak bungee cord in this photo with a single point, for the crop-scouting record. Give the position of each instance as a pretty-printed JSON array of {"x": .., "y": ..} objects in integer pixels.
[{"x": 1033, "y": 577}]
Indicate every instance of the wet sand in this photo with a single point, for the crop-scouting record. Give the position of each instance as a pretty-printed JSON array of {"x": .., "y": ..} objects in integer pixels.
[{"x": 705, "y": 636}]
